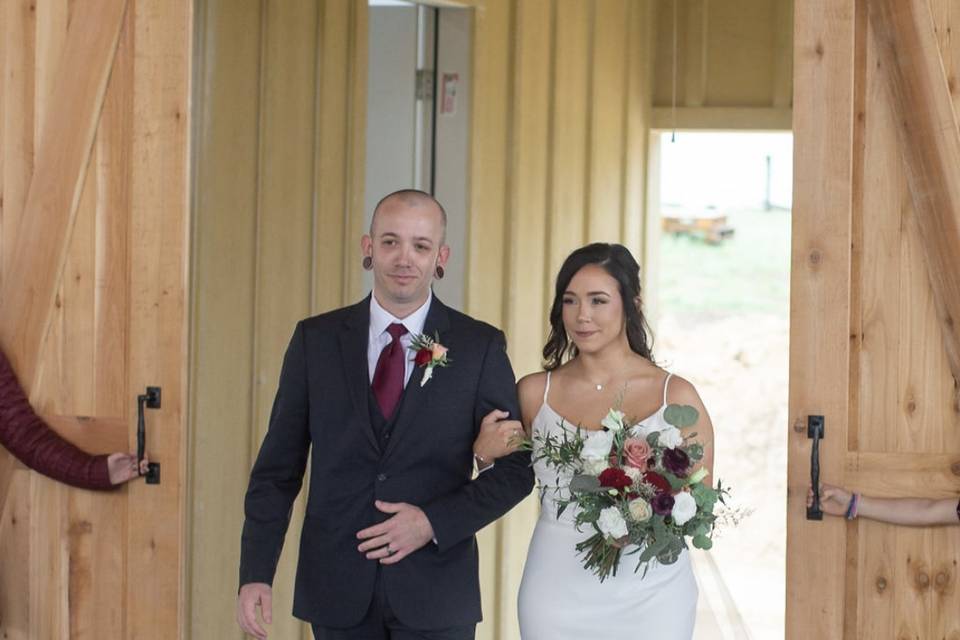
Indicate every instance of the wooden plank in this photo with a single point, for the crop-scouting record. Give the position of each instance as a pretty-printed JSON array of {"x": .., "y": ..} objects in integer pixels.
[
  {"x": 485, "y": 297},
  {"x": 55, "y": 187},
  {"x": 490, "y": 139},
  {"x": 94, "y": 539},
  {"x": 222, "y": 318},
  {"x": 820, "y": 306},
  {"x": 330, "y": 203},
  {"x": 52, "y": 17},
  {"x": 93, "y": 434},
  {"x": 111, "y": 306},
  {"x": 76, "y": 294},
  {"x": 158, "y": 337},
  {"x": 931, "y": 146},
  {"x": 526, "y": 306},
  {"x": 284, "y": 247},
  {"x": 783, "y": 55},
  {"x": 881, "y": 193},
  {"x": 19, "y": 36},
  {"x": 903, "y": 474},
  {"x": 696, "y": 22},
  {"x": 723, "y": 119},
  {"x": 605, "y": 195},
  {"x": 49, "y": 577},
  {"x": 639, "y": 82},
  {"x": 572, "y": 45},
  {"x": 15, "y": 543},
  {"x": 355, "y": 153}
]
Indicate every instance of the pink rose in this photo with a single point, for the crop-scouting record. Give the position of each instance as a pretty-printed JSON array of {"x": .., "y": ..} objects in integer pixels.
[
  {"x": 637, "y": 452},
  {"x": 438, "y": 350}
]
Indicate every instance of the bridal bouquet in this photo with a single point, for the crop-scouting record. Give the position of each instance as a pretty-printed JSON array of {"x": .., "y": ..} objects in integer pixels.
[{"x": 634, "y": 487}]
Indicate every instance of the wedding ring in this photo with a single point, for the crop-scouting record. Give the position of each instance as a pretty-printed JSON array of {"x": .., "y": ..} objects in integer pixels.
[{"x": 390, "y": 551}]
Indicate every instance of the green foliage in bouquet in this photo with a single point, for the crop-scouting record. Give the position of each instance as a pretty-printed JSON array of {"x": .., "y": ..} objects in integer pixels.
[{"x": 634, "y": 487}]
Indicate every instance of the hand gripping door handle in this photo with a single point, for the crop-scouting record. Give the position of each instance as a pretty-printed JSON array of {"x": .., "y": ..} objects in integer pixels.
[
  {"x": 148, "y": 400},
  {"x": 815, "y": 432}
]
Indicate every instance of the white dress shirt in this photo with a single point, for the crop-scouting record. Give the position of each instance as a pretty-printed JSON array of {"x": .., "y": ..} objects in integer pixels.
[{"x": 380, "y": 319}]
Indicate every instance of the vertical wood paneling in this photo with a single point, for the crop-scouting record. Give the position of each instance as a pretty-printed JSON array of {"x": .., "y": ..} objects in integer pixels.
[
  {"x": 51, "y": 35},
  {"x": 19, "y": 35},
  {"x": 222, "y": 323},
  {"x": 636, "y": 110},
  {"x": 75, "y": 567},
  {"x": 490, "y": 139},
  {"x": 284, "y": 227},
  {"x": 526, "y": 260},
  {"x": 607, "y": 120},
  {"x": 158, "y": 267},
  {"x": 332, "y": 228},
  {"x": 569, "y": 132},
  {"x": 485, "y": 298},
  {"x": 820, "y": 295}
]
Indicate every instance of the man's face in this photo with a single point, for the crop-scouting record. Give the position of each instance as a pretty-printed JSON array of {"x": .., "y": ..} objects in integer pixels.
[{"x": 406, "y": 246}]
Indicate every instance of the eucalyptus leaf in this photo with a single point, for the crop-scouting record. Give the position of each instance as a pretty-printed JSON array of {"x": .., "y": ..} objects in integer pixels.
[
  {"x": 582, "y": 483},
  {"x": 681, "y": 415},
  {"x": 702, "y": 542}
]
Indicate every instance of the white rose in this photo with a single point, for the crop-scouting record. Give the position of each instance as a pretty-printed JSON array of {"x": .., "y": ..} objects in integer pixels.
[
  {"x": 597, "y": 445},
  {"x": 613, "y": 421},
  {"x": 640, "y": 510},
  {"x": 684, "y": 508},
  {"x": 670, "y": 438},
  {"x": 611, "y": 523},
  {"x": 633, "y": 472},
  {"x": 595, "y": 466}
]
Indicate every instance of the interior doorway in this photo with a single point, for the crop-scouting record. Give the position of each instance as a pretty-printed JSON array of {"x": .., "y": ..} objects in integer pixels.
[
  {"x": 722, "y": 302},
  {"x": 418, "y": 115}
]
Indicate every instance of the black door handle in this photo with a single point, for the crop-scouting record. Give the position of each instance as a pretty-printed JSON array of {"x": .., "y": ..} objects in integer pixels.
[
  {"x": 815, "y": 432},
  {"x": 148, "y": 400}
]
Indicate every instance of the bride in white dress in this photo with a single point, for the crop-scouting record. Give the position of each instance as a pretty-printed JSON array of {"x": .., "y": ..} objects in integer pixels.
[{"x": 598, "y": 354}]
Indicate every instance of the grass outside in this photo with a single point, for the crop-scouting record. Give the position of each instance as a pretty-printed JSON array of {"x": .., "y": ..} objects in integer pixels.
[{"x": 723, "y": 324}]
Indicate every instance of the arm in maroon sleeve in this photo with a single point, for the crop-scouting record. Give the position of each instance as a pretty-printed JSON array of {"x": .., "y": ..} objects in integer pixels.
[{"x": 38, "y": 446}]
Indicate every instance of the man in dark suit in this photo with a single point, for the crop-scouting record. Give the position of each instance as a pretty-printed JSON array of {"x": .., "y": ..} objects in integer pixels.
[{"x": 388, "y": 546}]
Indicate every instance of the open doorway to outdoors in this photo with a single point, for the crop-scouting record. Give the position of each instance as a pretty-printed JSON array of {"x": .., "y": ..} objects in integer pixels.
[{"x": 720, "y": 294}]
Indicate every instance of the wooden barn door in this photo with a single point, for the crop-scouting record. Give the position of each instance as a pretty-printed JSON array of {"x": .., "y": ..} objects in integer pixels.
[
  {"x": 875, "y": 312},
  {"x": 93, "y": 213}
]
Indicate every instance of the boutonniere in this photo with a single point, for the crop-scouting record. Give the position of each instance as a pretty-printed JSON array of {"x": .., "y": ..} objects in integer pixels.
[{"x": 430, "y": 354}]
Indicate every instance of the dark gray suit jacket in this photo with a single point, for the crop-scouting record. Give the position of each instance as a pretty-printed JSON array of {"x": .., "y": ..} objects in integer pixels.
[{"x": 322, "y": 402}]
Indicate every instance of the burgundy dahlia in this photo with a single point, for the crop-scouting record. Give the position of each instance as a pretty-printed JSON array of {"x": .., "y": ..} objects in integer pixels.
[
  {"x": 677, "y": 462},
  {"x": 662, "y": 503},
  {"x": 615, "y": 478},
  {"x": 657, "y": 480}
]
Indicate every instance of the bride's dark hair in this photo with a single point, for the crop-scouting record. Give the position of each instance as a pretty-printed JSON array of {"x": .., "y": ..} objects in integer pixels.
[{"x": 622, "y": 267}]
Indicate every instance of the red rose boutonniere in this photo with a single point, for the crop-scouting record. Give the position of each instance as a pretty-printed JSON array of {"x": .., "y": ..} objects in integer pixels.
[{"x": 430, "y": 354}]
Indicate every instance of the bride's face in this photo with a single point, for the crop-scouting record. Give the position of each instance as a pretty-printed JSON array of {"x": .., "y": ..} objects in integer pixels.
[{"x": 593, "y": 309}]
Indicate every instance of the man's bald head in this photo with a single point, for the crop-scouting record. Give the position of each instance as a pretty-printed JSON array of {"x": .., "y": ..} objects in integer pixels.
[{"x": 410, "y": 198}]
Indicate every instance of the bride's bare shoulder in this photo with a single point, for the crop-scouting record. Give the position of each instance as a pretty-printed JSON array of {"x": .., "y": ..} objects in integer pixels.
[{"x": 530, "y": 390}]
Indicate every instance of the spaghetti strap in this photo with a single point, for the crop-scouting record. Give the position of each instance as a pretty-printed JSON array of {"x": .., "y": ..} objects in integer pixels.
[
  {"x": 665, "y": 384},
  {"x": 546, "y": 389}
]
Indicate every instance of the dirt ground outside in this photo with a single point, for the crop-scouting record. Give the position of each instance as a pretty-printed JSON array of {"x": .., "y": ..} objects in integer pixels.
[{"x": 724, "y": 324}]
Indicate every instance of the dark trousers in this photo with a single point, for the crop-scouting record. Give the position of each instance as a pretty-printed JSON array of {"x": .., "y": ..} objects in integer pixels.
[{"x": 381, "y": 624}]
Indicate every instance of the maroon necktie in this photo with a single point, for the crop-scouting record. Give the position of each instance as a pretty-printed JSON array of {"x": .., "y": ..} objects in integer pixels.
[{"x": 388, "y": 378}]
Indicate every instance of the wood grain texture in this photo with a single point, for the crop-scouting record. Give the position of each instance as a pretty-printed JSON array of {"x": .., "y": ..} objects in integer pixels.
[
  {"x": 56, "y": 183},
  {"x": 930, "y": 140},
  {"x": 820, "y": 299}
]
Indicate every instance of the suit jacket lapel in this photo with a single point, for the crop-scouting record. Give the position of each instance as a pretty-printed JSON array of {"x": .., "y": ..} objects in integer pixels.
[
  {"x": 437, "y": 322},
  {"x": 353, "y": 350}
]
